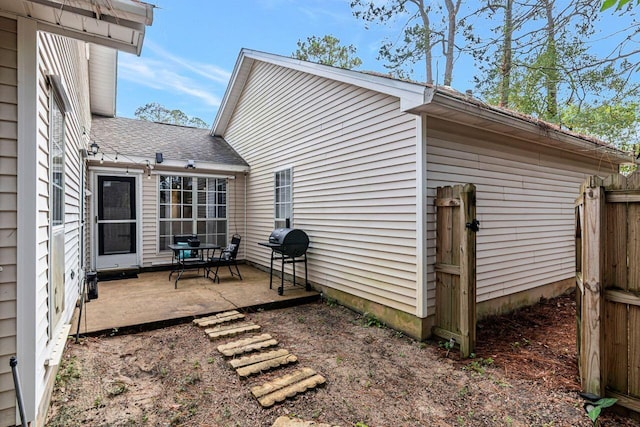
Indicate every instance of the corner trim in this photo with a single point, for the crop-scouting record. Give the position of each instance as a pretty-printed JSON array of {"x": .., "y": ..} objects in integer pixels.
[{"x": 27, "y": 245}]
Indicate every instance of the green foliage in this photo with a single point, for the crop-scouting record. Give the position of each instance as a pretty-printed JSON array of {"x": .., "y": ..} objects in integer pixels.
[
  {"x": 155, "y": 112},
  {"x": 479, "y": 365},
  {"x": 117, "y": 389},
  {"x": 67, "y": 372},
  {"x": 607, "y": 4},
  {"x": 369, "y": 320},
  {"x": 598, "y": 406},
  {"x": 327, "y": 51},
  {"x": 614, "y": 123},
  {"x": 331, "y": 302}
]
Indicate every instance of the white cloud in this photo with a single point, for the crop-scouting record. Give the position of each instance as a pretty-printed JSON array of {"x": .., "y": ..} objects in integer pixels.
[
  {"x": 209, "y": 71},
  {"x": 168, "y": 74}
]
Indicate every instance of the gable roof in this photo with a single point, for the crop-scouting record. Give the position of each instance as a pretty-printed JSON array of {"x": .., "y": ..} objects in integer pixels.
[
  {"x": 140, "y": 139},
  {"x": 432, "y": 100}
]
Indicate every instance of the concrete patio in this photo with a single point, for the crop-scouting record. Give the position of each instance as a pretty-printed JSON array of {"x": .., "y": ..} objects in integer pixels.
[{"x": 151, "y": 300}]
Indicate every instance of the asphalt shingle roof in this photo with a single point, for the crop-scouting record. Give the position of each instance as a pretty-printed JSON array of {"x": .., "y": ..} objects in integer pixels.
[{"x": 131, "y": 137}]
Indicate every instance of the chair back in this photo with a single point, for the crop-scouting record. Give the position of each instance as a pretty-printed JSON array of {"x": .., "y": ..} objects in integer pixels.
[{"x": 231, "y": 251}]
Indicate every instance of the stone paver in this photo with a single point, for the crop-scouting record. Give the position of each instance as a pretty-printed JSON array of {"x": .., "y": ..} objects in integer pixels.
[
  {"x": 286, "y": 386},
  {"x": 247, "y": 345},
  {"x": 285, "y": 421},
  {"x": 220, "y": 318},
  {"x": 232, "y": 329}
]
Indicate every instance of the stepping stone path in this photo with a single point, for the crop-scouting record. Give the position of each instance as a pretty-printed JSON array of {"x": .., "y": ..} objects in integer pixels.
[{"x": 227, "y": 324}]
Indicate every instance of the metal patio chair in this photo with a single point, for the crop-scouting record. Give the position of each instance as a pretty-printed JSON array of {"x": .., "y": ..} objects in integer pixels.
[{"x": 226, "y": 258}]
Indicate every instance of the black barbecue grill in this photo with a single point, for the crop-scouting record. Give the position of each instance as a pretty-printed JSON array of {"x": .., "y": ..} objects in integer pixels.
[{"x": 288, "y": 245}]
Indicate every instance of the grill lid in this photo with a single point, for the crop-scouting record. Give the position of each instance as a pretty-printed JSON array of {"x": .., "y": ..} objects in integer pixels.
[{"x": 292, "y": 241}]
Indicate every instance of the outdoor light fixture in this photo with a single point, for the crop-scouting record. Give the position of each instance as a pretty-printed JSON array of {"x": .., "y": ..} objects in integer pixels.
[
  {"x": 159, "y": 158},
  {"x": 191, "y": 164},
  {"x": 148, "y": 169},
  {"x": 94, "y": 148}
]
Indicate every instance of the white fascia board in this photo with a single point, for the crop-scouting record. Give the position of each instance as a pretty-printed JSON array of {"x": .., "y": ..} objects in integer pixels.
[
  {"x": 411, "y": 95},
  {"x": 237, "y": 81}
]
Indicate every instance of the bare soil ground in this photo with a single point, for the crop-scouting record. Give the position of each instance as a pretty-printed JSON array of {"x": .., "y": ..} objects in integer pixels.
[{"x": 524, "y": 374}]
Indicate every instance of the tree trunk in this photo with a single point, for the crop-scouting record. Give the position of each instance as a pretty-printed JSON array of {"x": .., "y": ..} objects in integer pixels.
[
  {"x": 551, "y": 64},
  {"x": 428, "y": 56},
  {"x": 452, "y": 28},
  {"x": 507, "y": 55}
]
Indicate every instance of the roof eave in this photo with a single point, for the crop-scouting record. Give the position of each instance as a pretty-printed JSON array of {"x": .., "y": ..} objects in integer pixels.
[
  {"x": 119, "y": 24},
  {"x": 410, "y": 94},
  {"x": 476, "y": 115}
]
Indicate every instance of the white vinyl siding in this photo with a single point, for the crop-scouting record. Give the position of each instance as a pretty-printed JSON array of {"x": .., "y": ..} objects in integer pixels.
[
  {"x": 353, "y": 156},
  {"x": 8, "y": 213},
  {"x": 525, "y": 205},
  {"x": 66, "y": 58}
]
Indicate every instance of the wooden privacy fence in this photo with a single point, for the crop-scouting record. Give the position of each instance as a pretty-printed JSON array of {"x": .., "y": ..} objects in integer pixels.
[
  {"x": 608, "y": 281},
  {"x": 455, "y": 316}
]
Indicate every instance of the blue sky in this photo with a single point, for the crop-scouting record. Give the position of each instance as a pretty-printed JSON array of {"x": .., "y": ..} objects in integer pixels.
[{"x": 190, "y": 50}]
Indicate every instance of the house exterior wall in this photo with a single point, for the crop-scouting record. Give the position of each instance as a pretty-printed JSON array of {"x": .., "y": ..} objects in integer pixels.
[
  {"x": 353, "y": 154},
  {"x": 39, "y": 344},
  {"x": 151, "y": 256},
  {"x": 525, "y": 204},
  {"x": 8, "y": 212},
  {"x": 67, "y": 58}
]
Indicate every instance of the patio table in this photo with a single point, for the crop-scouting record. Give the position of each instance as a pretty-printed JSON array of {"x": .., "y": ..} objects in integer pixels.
[{"x": 189, "y": 257}]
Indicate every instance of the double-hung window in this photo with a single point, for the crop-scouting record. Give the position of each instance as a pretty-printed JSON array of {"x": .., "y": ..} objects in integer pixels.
[
  {"x": 56, "y": 163},
  {"x": 56, "y": 287},
  {"x": 283, "y": 206},
  {"x": 192, "y": 205}
]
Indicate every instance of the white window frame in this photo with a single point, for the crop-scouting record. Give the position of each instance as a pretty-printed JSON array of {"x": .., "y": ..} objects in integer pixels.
[
  {"x": 283, "y": 198},
  {"x": 216, "y": 211},
  {"x": 59, "y": 106}
]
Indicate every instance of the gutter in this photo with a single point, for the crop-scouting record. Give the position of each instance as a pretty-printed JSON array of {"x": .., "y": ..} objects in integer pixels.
[{"x": 438, "y": 103}]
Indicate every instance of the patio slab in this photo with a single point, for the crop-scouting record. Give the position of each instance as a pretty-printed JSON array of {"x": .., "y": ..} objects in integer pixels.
[{"x": 151, "y": 298}]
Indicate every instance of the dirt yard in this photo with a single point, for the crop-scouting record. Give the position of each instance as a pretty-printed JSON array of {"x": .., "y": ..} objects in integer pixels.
[{"x": 524, "y": 374}]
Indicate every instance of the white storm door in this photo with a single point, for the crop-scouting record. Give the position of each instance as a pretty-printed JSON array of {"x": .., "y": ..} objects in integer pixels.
[{"x": 116, "y": 222}]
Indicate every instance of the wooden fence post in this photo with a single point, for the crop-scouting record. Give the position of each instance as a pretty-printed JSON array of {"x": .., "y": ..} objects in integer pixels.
[
  {"x": 592, "y": 265},
  {"x": 467, "y": 270}
]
